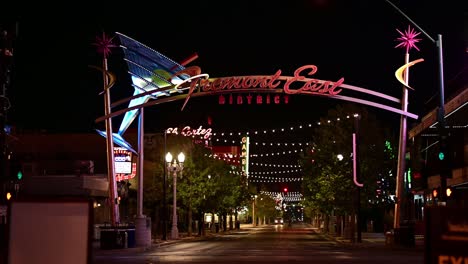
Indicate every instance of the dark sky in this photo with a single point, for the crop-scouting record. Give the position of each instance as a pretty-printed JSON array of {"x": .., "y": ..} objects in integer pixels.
[{"x": 54, "y": 89}]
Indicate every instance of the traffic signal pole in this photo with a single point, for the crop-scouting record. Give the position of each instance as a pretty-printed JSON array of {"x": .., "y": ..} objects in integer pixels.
[
  {"x": 6, "y": 60},
  {"x": 3, "y": 149},
  {"x": 441, "y": 115}
]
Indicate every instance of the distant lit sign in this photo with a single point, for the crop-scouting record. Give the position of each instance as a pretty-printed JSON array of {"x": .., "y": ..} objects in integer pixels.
[
  {"x": 245, "y": 155},
  {"x": 122, "y": 160},
  {"x": 126, "y": 176},
  {"x": 190, "y": 132}
]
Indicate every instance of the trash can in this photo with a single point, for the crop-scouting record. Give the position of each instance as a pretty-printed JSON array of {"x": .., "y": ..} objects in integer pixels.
[
  {"x": 131, "y": 241},
  {"x": 111, "y": 238},
  {"x": 117, "y": 237}
]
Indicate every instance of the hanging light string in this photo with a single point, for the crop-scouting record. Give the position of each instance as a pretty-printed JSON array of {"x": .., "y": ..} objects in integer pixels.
[
  {"x": 275, "y": 165},
  {"x": 292, "y": 199},
  {"x": 274, "y": 194},
  {"x": 281, "y": 194},
  {"x": 278, "y": 130},
  {"x": 267, "y": 179},
  {"x": 255, "y": 155},
  {"x": 235, "y": 159},
  {"x": 223, "y": 134},
  {"x": 279, "y": 153},
  {"x": 260, "y": 132},
  {"x": 279, "y": 144},
  {"x": 224, "y": 158},
  {"x": 275, "y": 180},
  {"x": 257, "y": 176},
  {"x": 273, "y": 172}
]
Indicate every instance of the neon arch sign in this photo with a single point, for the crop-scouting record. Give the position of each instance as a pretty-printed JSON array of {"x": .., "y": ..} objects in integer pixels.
[{"x": 185, "y": 83}]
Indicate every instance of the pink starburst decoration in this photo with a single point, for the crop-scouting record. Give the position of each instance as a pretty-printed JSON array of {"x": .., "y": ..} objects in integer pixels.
[
  {"x": 104, "y": 44},
  {"x": 408, "y": 39}
]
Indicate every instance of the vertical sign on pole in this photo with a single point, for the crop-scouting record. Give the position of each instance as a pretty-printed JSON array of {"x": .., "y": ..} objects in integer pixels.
[{"x": 245, "y": 156}]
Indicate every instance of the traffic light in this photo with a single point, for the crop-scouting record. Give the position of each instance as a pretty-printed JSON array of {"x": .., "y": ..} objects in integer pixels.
[
  {"x": 15, "y": 169},
  {"x": 285, "y": 189},
  {"x": 8, "y": 196},
  {"x": 419, "y": 176},
  {"x": 445, "y": 158}
]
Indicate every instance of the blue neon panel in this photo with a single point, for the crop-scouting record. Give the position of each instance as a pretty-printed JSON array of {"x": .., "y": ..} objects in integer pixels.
[{"x": 149, "y": 70}]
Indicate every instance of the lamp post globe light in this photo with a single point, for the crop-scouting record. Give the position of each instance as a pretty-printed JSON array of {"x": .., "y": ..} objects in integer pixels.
[
  {"x": 339, "y": 157},
  {"x": 175, "y": 166}
]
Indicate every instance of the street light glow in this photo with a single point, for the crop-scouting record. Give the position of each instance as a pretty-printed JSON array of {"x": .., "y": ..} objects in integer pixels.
[
  {"x": 340, "y": 157},
  {"x": 168, "y": 157},
  {"x": 181, "y": 157}
]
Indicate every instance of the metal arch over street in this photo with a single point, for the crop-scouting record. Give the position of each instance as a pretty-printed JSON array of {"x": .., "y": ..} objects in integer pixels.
[{"x": 159, "y": 78}]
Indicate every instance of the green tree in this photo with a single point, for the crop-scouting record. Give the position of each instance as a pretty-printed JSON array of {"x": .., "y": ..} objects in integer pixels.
[
  {"x": 265, "y": 207},
  {"x": 328, "y": 180},
  {"x": 210, "y": 185}
]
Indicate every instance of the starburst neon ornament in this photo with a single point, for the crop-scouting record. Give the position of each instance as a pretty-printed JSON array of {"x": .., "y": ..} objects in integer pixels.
[
  {"x": 408, "y": 39},
  {"x": 104, "y": 44}
]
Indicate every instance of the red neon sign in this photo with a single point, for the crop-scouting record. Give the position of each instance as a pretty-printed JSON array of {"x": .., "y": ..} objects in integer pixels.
[{"x": 300, "y": 83}]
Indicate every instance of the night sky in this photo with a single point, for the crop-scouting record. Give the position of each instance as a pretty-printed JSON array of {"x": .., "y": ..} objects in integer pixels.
[{"x": 55, "y": 90}]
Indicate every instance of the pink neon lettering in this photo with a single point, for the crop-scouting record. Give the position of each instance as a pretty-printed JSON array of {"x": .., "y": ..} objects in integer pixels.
[
  {"x": 239, "y": 99},
  {"x": 277, "y": 99},
  {"x": 221, "y": 99},
  {"x": 259, "y": 99},
  {"x": 249, "y": 99}
]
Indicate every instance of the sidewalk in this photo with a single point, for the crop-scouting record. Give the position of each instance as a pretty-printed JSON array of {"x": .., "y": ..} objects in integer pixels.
[
  {"x": 377, "y": 240},
  {"x": 183, "y": 236}
]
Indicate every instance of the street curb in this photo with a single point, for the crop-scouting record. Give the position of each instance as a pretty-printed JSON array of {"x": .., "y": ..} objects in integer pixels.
[{"x": 156, "y": 243}]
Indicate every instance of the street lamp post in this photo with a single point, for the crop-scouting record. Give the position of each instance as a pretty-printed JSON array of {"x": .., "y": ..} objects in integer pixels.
[
  {"x": 254, "y": 222},
  {"x": 175, "y": 167}
]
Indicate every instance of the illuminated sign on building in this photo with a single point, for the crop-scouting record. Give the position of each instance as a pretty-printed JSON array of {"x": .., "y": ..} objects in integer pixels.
[
  {"x": 245, "y": 155},
  {"x": 122, "y": 160},
  {"x": 189, "y": 132},
  {"x": 126, "y": 176}
]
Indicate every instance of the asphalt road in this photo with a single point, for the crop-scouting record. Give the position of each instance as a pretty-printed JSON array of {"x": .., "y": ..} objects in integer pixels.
[{"x": 267, "y": 244}]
